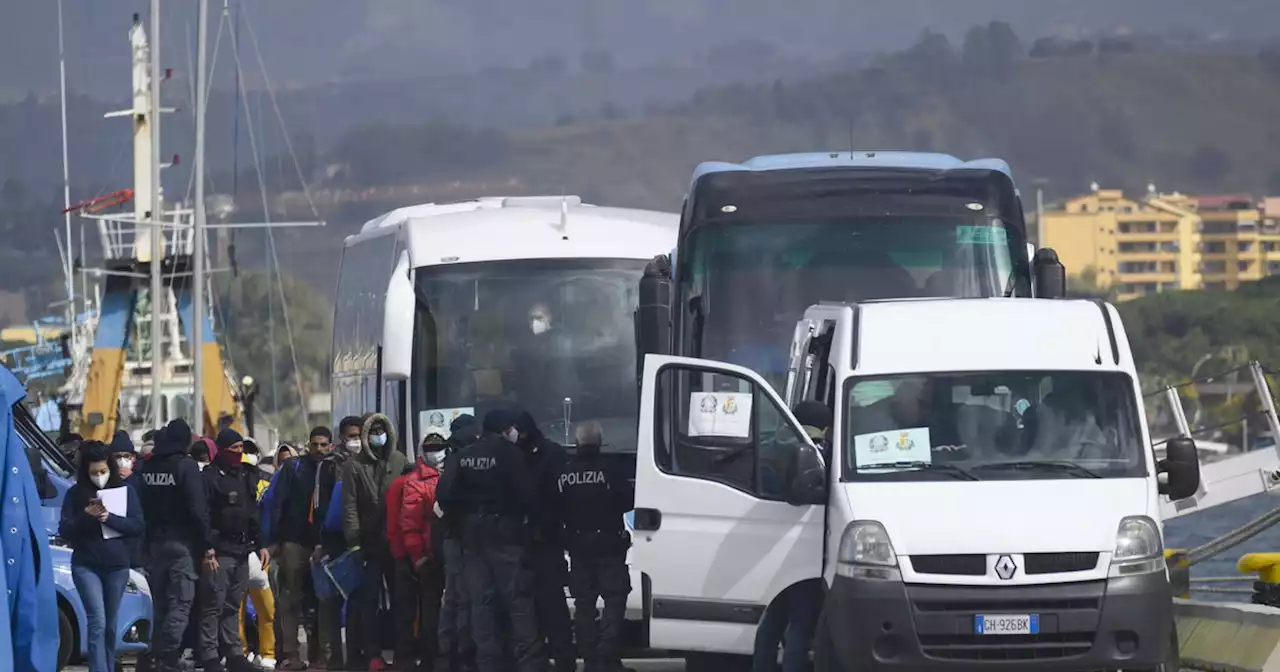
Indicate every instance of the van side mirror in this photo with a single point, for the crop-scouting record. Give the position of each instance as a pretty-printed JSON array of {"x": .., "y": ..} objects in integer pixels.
[
  {"x": 397, "y": 323},
  {"x": 1050, "y": 274},
  {"x": 653, "y": 311},
  {"x": 1179, "y": 471},
  {"x": 808, "y": 478}
]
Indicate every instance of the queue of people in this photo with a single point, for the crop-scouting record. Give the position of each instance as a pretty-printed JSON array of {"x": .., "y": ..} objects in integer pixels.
[{"x": 460, "y": 554}]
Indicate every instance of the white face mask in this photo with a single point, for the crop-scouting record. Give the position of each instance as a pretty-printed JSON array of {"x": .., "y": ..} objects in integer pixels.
[
  {"x": 202, "y": 465},
  {"x": 377, "y": 440},
  {"x": 540, "y": 324},
  {"x": 353, "y": 445},
  {"x": 125, "y": 462},
  {"x": 147, "y": 448},
  {"x": 433, "y": 458},
  {"x": 512, "y": 435},
  {"x": 100, "y": 480}
]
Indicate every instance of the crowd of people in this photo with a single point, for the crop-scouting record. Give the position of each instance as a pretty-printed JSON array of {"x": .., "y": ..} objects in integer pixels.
[{"x": 454, "y": 561}]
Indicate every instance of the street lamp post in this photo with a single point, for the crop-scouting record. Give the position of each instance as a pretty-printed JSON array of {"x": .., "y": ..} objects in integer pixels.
[{"x": 248, "y": 391}]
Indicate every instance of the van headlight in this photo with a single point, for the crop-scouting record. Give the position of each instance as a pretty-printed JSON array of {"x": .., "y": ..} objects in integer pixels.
[
  {"x": 1138, "y": 548},
  {"x": 866, "y": 552}
]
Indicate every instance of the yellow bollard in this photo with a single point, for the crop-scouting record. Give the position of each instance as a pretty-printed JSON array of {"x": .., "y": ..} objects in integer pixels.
[
  {"x": 1266, "y": 590},
  {"x": 1179, "y": 572}
]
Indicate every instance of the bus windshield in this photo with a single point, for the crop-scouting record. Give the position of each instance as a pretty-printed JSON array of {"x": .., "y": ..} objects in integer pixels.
[
  {"x": 554, "y": 337},
  {"x": 743, "y": 283}
]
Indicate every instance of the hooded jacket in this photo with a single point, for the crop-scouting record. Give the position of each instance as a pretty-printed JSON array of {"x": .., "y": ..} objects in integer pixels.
[{"x": 366, "y": 477}]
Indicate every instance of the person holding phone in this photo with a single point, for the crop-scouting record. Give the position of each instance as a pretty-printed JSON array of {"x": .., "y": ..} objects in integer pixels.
[{"x": 100, "y": 565}]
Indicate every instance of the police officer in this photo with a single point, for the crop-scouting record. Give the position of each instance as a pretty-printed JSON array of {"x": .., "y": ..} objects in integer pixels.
[
  {"x": 456, "y": 648},
  {"x": 173, "y": 501},
  {"x": 490, "y": 489},
  {"x": 230, "y": 489},
  {"x": 593, "y": 497},
  {"x": 546, "y": 553}
]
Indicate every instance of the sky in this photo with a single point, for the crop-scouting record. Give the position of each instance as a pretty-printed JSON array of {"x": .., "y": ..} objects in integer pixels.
[{"x": 309, "y": 42}]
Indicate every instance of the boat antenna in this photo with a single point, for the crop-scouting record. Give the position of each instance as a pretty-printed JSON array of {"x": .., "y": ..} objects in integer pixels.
[{"x": 851, "y": 148}]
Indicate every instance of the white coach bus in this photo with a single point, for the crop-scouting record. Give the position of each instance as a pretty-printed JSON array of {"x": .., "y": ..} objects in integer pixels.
[{"x": 520, "y": 301}]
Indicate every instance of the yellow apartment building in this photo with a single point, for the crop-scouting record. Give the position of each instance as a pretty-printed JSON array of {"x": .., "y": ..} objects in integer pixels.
[{"x": 1165, "y": 242}]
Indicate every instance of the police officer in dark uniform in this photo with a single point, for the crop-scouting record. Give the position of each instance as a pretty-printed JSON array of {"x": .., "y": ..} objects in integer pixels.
[
  {"x": 593, "y": 497},
  {"x": 490, "y": 489},
  {"x": 230, "y": 489},
  {"x": 173, "y": 501},
  {"x": 546, "y": 553},
  {"x": 457, "y": 650}
]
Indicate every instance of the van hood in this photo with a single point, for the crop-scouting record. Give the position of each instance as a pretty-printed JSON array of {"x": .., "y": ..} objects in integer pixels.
[{"x": 1033, "y": 516}]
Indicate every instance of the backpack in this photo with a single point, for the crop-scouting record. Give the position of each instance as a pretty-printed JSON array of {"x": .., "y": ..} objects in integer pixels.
[{"x": 270, "y": 502}]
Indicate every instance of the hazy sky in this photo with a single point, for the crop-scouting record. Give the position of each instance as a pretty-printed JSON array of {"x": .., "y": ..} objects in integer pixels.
[{"x": 311, "y": 41}]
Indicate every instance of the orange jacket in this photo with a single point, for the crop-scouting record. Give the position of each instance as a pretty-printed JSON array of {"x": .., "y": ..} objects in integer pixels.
[{"x": 418, "y": 513}]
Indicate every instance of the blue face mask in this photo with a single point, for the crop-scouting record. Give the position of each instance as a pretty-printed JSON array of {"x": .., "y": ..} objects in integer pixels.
[{"x": 377, "y": 440}]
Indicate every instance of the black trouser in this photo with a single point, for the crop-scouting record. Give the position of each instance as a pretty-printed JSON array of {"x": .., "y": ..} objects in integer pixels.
[
  {"x": 430, "y": 590},
  {"x": 404, "y": 605},
  {"x": 551, "y": 575},
  {"x": 368, "y": 599},
  {"x": 172, "y": 578},
  {"x": 221, "y": 593},
  {"x": 457, "y": 650},
  {"x": 605, "y": 576},
  {"x": 498, "y": 579}
]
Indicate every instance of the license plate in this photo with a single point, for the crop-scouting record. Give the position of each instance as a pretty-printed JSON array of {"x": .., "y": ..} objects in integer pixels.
[{"x": 1007, "y": 624}]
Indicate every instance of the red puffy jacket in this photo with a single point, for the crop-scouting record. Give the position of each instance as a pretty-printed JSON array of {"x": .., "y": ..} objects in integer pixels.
[
  {"x": 417, "y": 515},
  {"x": 395, "y": 499}
]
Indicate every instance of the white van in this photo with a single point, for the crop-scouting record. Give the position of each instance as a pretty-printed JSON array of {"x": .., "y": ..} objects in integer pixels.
[{"x": 987, "y": 496}]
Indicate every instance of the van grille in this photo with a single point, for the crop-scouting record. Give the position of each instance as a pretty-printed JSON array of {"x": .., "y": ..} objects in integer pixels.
[
  {"x": 1068, "y": 617},
  {"x": 953, "y": 565},
  {"x": 1058, "y": 563}
]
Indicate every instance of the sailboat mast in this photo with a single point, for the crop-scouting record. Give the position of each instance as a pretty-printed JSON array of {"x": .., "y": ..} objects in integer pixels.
[
  {"x": 66, "y": 185},
  {"x": 156, "y": 221},
  {"x": 197, "y": 320}
]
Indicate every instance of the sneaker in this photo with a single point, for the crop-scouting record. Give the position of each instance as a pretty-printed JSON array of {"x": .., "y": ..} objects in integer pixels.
[{"x": 265, "y": 663}]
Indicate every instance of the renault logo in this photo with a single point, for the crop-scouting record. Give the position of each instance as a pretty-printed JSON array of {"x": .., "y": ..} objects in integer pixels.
[{"x": 1006, "y": 567}]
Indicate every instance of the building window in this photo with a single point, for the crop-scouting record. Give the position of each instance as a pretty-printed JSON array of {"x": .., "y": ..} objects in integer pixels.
[
  {"x": 1215, "y": 286},
  {"x": 1217, "y": 247},
  {"x": 1243, "y": 266},
  {"x": 1126, "y": 248},
  {"x": 1245, "y": 246},
  {"x": 1168, "y": 267},
  {"x": 1213, "y": 267},
  {"x": 1273, "y": 267},
  {"x": 1138, "y": 267},
  {"x": 1219, "y": 227},
  {"x": 1168, "y": 287}
]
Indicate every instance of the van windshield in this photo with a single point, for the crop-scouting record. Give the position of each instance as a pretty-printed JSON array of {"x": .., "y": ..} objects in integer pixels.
[
  {"x": 555, "y": 337},
  {"x": 992, "y": 426}
]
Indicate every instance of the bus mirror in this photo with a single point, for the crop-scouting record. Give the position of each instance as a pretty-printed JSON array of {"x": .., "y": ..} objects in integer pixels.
[
  {"x": 653, "y": 312},
  {"x": 397, "y": 324},
  {"x": 1050, "y": 275}
]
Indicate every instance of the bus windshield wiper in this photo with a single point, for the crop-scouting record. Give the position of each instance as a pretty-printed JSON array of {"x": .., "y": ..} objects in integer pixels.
[
  {"x": 1047, "y": 465},
  {"x": 959, "y": 472}
]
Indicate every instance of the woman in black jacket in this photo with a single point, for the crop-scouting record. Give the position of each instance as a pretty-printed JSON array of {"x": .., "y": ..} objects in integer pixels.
[{"x": 99, "y": 565}]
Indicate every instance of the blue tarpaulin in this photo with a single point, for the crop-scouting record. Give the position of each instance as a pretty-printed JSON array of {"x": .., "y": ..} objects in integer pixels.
[{"x": 29, "y": 627}]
